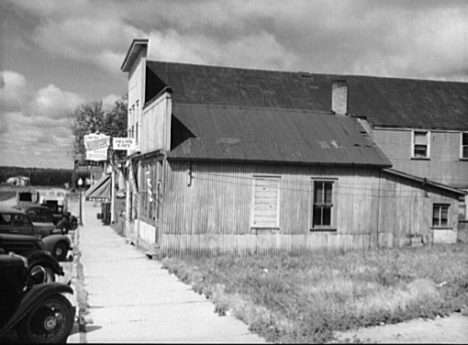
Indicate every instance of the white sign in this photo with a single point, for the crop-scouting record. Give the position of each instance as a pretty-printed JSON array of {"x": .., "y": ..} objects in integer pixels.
[
  {"x": 96, "y": 146},
  {"x": 97, "y": 155},
  {"x": 96, "y": 141},
  {"x": 123, "y": 144}
]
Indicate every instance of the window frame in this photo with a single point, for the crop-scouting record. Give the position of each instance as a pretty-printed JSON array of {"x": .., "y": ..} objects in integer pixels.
[
  {"x": 440, "y": 225},
  {"x": 462, "y": 145},
  {"x": 428, "y": 144},
  {"x": 148, "y": 208},
  {"x": 253, "y": 225},
  {"x": 334, "y": 204}
]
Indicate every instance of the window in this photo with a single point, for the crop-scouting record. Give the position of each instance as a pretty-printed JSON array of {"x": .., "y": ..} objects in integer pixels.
[
  {"x": 149, "y": 186},
  {"x": 266, "y": 202},
  {"x": 464, "y": 146},
  {"x": 20, "y": 220},
  {"x": 440, "y": 214},
  {"x": 420, "y": 144},
  {"x": 5, "y": 220},
  {"x": 323, "y": 207},
  {"x": 136, "y": 133}
]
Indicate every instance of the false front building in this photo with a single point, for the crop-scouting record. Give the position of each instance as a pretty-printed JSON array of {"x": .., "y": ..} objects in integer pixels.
[{"x": 241, "y": 161}]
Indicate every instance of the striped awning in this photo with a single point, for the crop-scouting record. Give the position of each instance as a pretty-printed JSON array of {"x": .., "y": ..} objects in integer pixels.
[{"x": 100, "y": 190}]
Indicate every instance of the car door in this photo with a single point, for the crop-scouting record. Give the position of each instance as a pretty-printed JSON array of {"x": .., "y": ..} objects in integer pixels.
[
  {"x": 6, "y": 221},
  {"x": 22, "y": 225},
  {"x": 33, "y": 215}
]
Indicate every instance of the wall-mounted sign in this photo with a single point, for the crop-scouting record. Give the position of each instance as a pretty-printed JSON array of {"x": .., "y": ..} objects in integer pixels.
[
  {"x": 123, "y": 143},
  {"x": 96, "y": 146}
]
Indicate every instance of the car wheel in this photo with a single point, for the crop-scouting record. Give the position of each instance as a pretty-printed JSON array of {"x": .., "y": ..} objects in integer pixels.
[
  {"x": 73, "y": 224},
  {"x": 60, "y": 251},
  {"x": 50, "y": 275},
  {"x": 49, "y": 322}
]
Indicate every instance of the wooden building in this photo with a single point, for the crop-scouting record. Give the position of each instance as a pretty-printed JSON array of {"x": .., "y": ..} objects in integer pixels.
[{"x": 245, "y": 161}]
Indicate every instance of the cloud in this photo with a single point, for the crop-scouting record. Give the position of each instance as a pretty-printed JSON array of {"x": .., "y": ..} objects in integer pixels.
[
  {"x": 55, "y": 103},
  {"x": 35, "y": 125},
  {"x": 418, "y": 39},
  {"x": 12, "y": 91},
  {"x": 109, "y": 101}
]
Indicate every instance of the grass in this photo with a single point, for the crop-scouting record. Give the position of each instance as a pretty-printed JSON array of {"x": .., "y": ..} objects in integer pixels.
[{"x": 305, "y": 299}]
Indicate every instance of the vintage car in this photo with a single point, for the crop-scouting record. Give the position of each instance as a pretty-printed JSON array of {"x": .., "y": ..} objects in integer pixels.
[
  {"x": 31, "y": 248},
  {"x": 43, "y": 219},
  {"x": 62, "y": 219},
  {"x": 39, "y": 311},
  {"x": 13, "y": 221}
]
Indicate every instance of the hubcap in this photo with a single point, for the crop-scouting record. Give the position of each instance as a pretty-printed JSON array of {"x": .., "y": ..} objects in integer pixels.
[
  {"x": 58, "y": 251},
  {"x": 50, "y": 323}
]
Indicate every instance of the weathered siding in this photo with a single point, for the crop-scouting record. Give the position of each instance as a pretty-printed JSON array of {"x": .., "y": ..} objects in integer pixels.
[
  {"x": 155, "y": 124},
  {"x": 207, "y": 210},
  {"x": 444, "y": 165},
  {"x": 206, "y": 214}
]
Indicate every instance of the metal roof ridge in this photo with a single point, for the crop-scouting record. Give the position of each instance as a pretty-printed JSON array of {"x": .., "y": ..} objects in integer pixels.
[{"x": 321, "y": 112}]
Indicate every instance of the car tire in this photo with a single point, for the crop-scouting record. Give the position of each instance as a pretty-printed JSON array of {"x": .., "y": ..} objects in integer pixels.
[
  {"x": 60, "y": 251},
  {"x": 49, "y": 321}
]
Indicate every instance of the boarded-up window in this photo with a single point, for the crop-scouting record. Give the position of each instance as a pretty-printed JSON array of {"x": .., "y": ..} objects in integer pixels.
[
  {"x": 266, "y": 202},
  {"x": 464, "y": 145},
  {"x": 421, "y": 144},
  {"x": 440, "y": 214}
]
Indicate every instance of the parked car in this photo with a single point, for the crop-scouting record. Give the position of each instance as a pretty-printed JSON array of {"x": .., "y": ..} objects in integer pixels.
[
  {"x": 32, "y": 248},
  {"x": 43, "y": 219},
  {"x": 61, "y": 218},
  {"x": 39, "y": 312},
  {"x": 13, "y": 221}
]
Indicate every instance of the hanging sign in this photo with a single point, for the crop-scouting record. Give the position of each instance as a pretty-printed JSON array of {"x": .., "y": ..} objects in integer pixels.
[
  {"x": 96, "y": 146},
  {"x": 123, "y": 143}
]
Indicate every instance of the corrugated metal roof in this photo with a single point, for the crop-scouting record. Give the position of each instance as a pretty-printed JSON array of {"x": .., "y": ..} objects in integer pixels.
[
  {"x": 270, "y": 135},
  {"x": 388, "y": 102}
]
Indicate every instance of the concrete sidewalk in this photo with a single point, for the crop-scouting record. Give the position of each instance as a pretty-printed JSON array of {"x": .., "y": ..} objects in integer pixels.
[{"x": 133, "y": 299}]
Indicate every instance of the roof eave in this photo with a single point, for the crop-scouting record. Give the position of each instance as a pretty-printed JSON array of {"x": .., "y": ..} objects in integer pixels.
[{"x": 133, "y": 52}]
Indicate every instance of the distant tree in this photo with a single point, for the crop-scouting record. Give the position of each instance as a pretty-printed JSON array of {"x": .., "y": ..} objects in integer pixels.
[{"x": 91, "y": 117}]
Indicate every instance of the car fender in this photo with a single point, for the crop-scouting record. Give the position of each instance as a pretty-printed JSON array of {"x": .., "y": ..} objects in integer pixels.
[
  {"x": 43, "y": 229},
  {"x": 33, "y": 296},
  {"x": 45, "y": 259},
  {"x": 52, "y": 240}
]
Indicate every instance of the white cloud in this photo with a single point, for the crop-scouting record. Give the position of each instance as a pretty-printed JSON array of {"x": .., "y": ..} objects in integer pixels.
[
  {"x": 35, "y": 126},
  {"x": 55, "y": 103},
  {"x": 12, "y": 91},
  {"x": 109, "y": 101}
]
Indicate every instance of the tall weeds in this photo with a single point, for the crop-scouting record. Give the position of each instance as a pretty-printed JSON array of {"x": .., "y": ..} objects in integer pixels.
[{"x": 307, "y": 298}]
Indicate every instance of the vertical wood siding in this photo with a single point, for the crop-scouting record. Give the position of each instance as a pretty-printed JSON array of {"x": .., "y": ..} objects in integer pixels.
[{"x": 211, "y": 213}]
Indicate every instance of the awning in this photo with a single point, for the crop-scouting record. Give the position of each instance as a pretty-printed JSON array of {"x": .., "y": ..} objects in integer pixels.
[{"x": 100, "y": 190}]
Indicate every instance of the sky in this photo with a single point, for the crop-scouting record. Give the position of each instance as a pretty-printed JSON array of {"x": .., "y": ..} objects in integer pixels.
[{"x": 58, "y": 54}]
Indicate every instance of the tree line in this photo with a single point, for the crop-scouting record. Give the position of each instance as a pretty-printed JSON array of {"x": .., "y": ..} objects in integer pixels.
[{"x": 38, "y": 176}]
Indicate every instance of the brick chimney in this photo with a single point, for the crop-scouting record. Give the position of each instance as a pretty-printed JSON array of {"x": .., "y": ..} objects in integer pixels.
[{"x": 339, "y": 97}]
